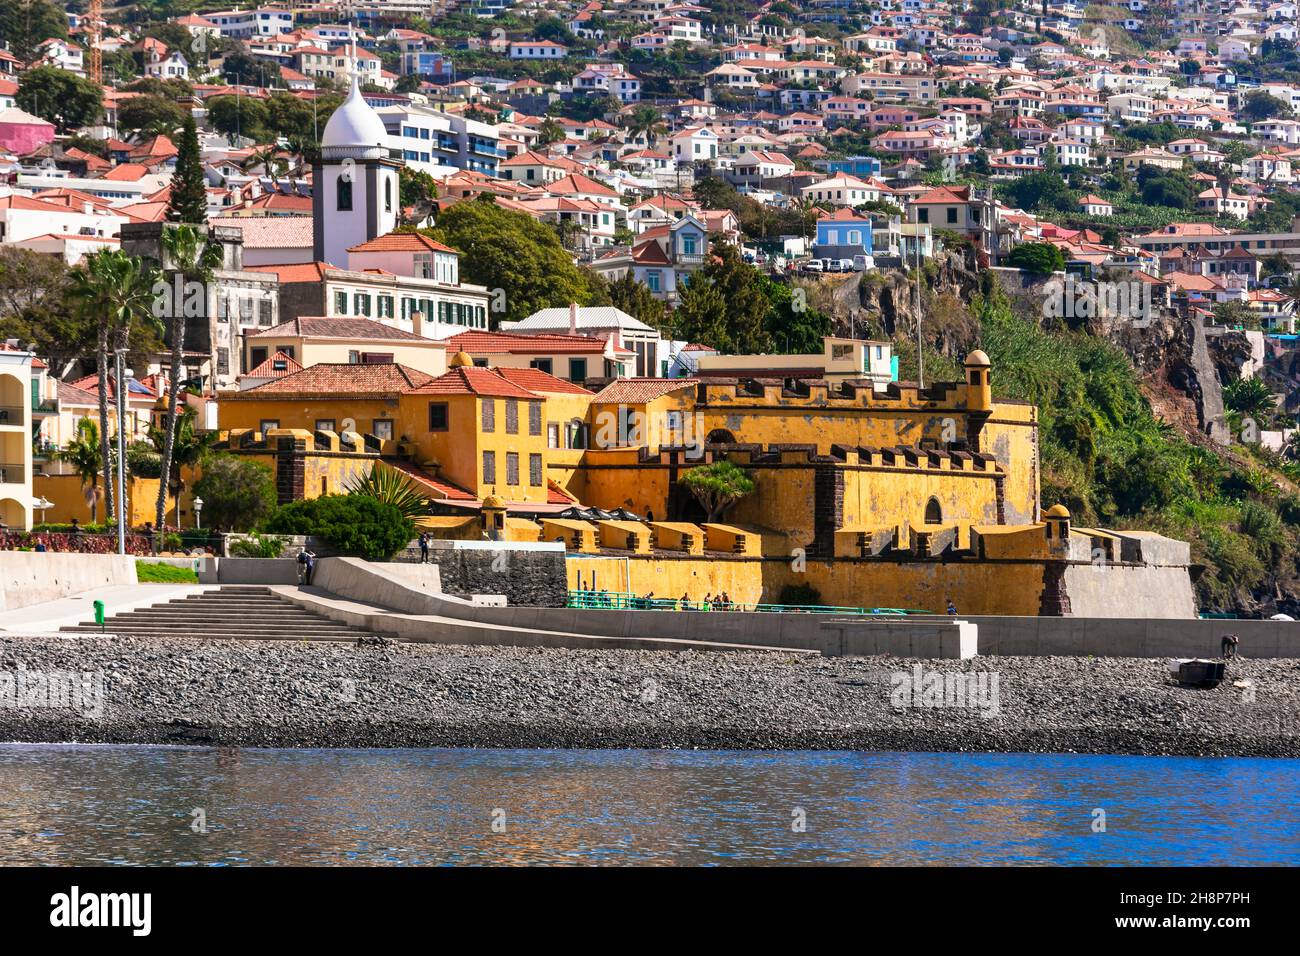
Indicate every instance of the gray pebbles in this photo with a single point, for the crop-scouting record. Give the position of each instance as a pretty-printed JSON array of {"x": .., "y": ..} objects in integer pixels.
[{"x": 285, "y": 694}]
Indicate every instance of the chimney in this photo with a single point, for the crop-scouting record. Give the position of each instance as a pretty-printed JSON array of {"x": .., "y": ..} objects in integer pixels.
[
  {"x": 417, "y": 323},
  {"x": 573, "y": 318}
]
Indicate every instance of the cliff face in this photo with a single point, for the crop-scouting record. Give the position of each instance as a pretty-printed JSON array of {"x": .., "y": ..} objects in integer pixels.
[
  {"x": 1173, "y": 357},
  {"x": 892, "y": 303},
  {"x": 1180, "y": 370}
]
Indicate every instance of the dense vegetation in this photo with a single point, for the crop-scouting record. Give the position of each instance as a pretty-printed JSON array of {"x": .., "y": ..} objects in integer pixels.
[{"x": 1108, "y": 458}]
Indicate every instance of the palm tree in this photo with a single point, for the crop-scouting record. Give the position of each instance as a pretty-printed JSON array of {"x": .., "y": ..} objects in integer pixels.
[
  {"x": 188, "y": 449},
  {"x": 303, "y": 153},
  {"x": 188, "y": 251},
  {"x": 645, "y": 121},
  {"x": 549, "y": 132},
  {"x": 808, "y": 212},
  {"x": 82, "y": 453},
  {"x": 1250, "y": 397},
  {"x": 391, "y": 487},
  {"x": 268, "y": 157},
  {"x": 117, "y": 290}
]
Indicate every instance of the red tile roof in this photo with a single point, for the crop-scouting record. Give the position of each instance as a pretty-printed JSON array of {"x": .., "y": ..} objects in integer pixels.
[
  {"x": 637, "y": 391},
  {"x": 296, "y": 272},
  {"x": 535, "y": 380},
  {"x": 402, "y": 242},
  {"x": 427, "y": 482},
  {"x": 944, "y": 194},
  {"x": 126, "y": 172},
  {"x": 472, "y": 380},
  {"x": 277, "y": 366},
  {"x": 498, "y": 343},
  {"x": 340, "y": 380},
  {"x": 341, "y": 328}
]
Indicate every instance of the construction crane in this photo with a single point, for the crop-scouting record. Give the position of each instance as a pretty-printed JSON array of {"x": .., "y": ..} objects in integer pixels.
[{"x": 94, "y": 58}]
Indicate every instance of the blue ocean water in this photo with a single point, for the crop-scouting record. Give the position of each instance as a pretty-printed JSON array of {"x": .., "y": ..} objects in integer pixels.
[{"x": 69, "y": 804}]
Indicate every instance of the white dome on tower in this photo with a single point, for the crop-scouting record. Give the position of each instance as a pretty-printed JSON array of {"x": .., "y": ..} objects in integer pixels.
[{"x": 354, "y": 130}]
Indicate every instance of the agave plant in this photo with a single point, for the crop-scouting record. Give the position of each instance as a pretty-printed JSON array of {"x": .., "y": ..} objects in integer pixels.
[{"x": 392, "y": 488}]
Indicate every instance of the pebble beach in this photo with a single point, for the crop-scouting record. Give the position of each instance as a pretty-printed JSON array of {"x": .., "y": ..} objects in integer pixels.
[{"x": 385, "y": 694}]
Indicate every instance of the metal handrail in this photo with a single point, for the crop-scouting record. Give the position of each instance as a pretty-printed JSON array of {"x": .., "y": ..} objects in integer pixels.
[{"x": 624, "y": 601}]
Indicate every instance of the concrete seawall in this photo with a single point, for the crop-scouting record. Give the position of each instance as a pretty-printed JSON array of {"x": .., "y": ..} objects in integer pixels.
[
  {"x": 383, "y": 585},
  {"x": 1133, "y": 637},
  {"x": 33, "y": 577},
  {"x": 390, "y": 586}
]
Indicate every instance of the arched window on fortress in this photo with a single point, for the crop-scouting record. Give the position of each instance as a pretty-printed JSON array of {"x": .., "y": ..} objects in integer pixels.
[
  {"x": 720, "y": 436},
  {"x": 933, "y": 512}
]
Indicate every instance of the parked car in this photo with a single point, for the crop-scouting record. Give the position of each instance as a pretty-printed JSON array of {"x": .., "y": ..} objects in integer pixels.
[
  {"x": 812, "y": 265},
  {"x": 863, "y": 263}
]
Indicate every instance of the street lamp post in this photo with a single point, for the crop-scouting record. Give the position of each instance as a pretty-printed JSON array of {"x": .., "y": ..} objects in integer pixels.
[
  {"x": 122, "y": 393},
  {"x": 198, "y": 513}
]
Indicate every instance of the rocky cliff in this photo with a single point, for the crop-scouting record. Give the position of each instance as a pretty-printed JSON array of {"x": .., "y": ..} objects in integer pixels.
[{"x": 1180, "y": 372}]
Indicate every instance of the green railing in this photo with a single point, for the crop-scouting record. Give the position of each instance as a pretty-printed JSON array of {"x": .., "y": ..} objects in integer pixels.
[{"x": 621, "y": 601}]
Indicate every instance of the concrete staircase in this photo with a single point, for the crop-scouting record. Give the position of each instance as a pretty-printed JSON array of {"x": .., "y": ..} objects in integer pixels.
[{"x": 231, "y": 613}]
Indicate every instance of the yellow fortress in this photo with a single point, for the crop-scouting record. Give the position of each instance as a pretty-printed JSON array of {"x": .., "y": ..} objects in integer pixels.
[{"x": 867, "y": 494}]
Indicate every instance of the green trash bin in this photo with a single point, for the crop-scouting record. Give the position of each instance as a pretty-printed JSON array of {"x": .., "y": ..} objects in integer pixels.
[{"x": 99, "y": 614}]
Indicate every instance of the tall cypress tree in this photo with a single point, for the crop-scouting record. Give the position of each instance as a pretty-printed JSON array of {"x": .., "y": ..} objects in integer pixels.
[{"x": 189, "y": 198}]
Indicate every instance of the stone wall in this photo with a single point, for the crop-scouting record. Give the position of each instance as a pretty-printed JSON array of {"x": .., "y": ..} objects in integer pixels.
[{"x": 528, "y": 578}]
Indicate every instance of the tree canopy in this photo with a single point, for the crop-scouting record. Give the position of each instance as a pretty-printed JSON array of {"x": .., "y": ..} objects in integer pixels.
[
  {"x": 514, "y": 253},
  {"x": 65, "y": 99},
  {"x": 26, "y": 24},
  {"x": 717, "y": 486}
]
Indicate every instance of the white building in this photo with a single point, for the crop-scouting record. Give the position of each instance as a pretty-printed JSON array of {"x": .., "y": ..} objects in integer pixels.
[
  {"x": 355, "y": 185},
  {"x": 258, "y": 22}
]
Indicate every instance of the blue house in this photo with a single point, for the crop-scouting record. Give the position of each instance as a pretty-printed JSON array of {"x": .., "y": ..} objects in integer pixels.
[
  {"x": 862, "y": 167},
  {"x": 843, "y": 234}
]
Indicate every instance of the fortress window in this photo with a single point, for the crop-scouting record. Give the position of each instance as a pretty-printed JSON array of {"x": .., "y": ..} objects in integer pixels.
[
  {"x": 933, "y": 512},
  {"x": 720, "y": 436}
]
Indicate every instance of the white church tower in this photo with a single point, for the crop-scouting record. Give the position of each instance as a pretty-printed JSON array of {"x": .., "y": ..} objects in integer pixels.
[{"x": 355, "y": 188}]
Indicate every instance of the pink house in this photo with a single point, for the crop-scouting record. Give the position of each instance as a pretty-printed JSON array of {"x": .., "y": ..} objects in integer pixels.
[{"x": 22, "y": 133}]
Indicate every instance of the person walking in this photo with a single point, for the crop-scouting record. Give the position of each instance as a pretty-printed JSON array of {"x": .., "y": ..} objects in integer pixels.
[{"x": 424, "y": 548}]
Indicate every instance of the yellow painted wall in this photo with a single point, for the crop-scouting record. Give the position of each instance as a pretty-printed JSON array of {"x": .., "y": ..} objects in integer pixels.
[
  {"x": 976, "y": 587},
  {"x": 68, "y": 496},
  {"x": 305, "y": 412}
]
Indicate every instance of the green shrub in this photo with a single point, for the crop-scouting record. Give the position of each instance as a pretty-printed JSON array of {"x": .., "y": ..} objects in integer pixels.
[
  {"x": 258, "y": 546},
  {"x": 156, "y": 572},
  {"x": 355, "y": 525}
]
